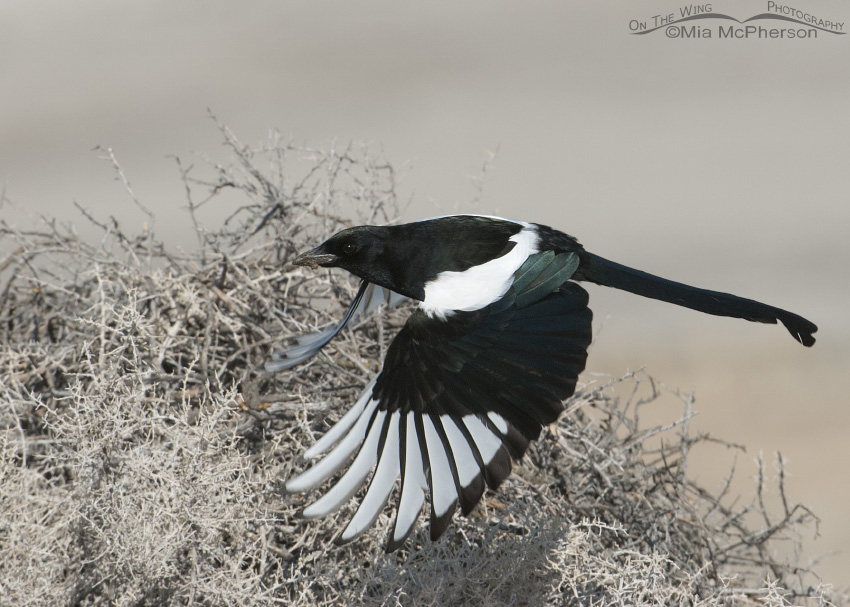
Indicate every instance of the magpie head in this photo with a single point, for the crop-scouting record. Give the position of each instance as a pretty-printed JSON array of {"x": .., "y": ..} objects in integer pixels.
[{"x": 368, "y": 252}]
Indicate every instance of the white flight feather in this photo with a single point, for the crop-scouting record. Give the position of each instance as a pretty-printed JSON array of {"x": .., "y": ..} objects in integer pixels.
[
  {"x": 382, "y": 483},
  {"x": 350, "y": 482},
  {"x": 345, "y": 422},
  {"x": 414, "y": 483},
  {"x": 443, "y": 493},
  {"x": 334, "y": 460},
  {"x": 467, "y": 467},
  {"x": 498, "y": 421},
  {"x": 488, "y": 443}
]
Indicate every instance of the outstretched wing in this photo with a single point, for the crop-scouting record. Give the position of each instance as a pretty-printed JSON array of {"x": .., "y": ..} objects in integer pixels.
[
  {"x": 456, "y": 399},
  {"x": 369, "y": 296}
]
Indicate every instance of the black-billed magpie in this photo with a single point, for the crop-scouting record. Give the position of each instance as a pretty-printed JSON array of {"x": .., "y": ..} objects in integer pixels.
[{"x": 483, "y": 363}]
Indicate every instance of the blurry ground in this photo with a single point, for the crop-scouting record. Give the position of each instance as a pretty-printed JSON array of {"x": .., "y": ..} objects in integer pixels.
[{"x": 718, "y": 162}]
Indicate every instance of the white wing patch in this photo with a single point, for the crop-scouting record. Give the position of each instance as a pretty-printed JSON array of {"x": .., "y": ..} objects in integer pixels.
[
  {"x": 400, "y": 455},
  {"x": 345, "y": 422},
  {"x": 498, "y": 420},
  {"x": 353, "y": 477},
  {"x": 488, "y": 443},
  {"x": 443, "y": 490},
  {"x": 481, "y": 285},
  {"x": 413, "y": 486},
  {"x": 334, "y": 460},
  {"x": 467, "y": 467},
  {"x": 379, "y": 488}
]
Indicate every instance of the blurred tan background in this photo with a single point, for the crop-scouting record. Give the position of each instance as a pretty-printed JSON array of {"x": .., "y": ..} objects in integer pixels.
[{"x": 722, "y": 163}]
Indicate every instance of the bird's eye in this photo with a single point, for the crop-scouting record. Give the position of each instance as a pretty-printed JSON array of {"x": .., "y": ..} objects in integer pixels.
[{"x": 349, "y": 248}]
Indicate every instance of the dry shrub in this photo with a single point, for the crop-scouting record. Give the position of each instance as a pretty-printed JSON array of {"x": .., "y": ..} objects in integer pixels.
[{"x": 143, "y": 446}]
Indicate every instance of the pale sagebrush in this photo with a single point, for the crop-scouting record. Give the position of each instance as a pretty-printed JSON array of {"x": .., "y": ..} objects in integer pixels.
[{"x": 143, "y": 446}]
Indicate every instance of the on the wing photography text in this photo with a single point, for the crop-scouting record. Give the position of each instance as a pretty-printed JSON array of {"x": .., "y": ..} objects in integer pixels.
[{"x": 778, "y": 21}]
